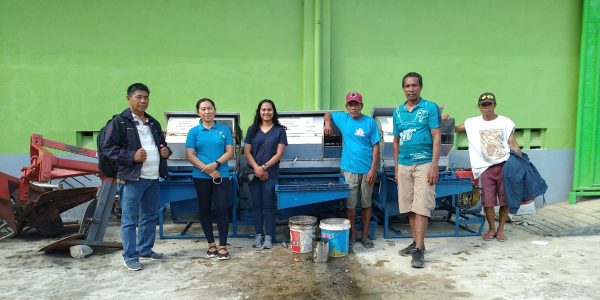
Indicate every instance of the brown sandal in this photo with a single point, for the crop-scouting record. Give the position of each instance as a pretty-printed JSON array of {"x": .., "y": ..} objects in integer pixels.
[
  {"x": 500, "y": 236},
  {"x": 212, "y": 252},
  {"x": 489, "y": 236},
  {"x": 223, "y": 254}
]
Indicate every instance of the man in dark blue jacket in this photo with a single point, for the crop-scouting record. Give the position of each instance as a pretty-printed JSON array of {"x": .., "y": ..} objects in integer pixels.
[{"x": 140, "y": 153}]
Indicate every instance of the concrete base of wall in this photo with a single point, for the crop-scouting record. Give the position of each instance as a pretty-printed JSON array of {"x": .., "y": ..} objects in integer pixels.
[{"x": 556, "y": 166}]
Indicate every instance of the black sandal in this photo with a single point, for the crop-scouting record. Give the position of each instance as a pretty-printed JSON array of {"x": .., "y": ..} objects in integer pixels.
[
  {"x": 223, "y": 255},
  {"x": 366, "y": 243},
  {"x": 212, "y": 252}
]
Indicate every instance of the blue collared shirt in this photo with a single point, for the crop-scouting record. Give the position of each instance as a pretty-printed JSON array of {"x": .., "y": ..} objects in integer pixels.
[
  {"x": 209, "y": 144},
  {"x": 414, "y": 129}
]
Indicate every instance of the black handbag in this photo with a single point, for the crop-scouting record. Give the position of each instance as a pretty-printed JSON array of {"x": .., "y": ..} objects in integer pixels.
[{"x": 247, "y": 174}]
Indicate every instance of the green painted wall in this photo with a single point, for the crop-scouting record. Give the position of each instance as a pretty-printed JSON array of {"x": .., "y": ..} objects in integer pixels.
[{"x": 65, "y": 65}]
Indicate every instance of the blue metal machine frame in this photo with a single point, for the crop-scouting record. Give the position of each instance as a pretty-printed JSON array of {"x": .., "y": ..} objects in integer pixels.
[
  {"x": 179, "y": 194},
  {"x": 448, "y": 188}
]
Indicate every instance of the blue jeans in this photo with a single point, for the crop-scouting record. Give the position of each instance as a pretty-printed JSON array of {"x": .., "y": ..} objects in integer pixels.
[
  {"x": 210, "y": 193},
  {"x": 263, "y": 200},
  {"x": 139, "y": 205}
]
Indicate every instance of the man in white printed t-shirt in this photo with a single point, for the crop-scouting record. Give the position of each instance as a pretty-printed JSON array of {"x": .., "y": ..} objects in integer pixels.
[{"x": 491, "y": 137}]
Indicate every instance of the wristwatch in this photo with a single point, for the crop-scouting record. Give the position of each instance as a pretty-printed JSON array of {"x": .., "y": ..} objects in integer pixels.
[
  {"x": 218, "y": 163},
  {"x": 265, "y": 166}
]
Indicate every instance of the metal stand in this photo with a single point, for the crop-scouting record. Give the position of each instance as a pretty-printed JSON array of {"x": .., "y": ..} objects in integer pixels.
[{"x": 95, "y": 220}]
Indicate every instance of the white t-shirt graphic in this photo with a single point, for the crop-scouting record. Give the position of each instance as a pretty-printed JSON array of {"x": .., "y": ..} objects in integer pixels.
[{"x": 488, "y": 142}]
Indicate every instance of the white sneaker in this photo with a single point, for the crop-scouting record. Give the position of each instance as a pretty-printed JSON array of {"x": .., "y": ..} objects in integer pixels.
[
  {"x": 267, "y": 244},
  {"x": 258, "y": 241}
]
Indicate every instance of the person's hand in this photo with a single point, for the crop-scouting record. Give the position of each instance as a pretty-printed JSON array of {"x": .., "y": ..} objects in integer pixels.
[
  {"x": 445, "y": 116},
  {"x": 164, "y": 151},
  {"x": 140, "y": 155},
  {"x": 433, "y": 174},
  {"x": 214, "y": 174},
  {"x": 371, "y": 176},
  {"x": 259, "y": 171},
  {"x": 209, "y": 168},
  {"x": 264, "y": 176},
  {"x": 327, "y": 128}
]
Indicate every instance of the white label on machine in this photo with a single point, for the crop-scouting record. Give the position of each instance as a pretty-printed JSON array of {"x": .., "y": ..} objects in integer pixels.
[
  {"x": 177, "y": 128},
  {"x": 303, "y": 125},
  {"x": 304, "y": 140}
]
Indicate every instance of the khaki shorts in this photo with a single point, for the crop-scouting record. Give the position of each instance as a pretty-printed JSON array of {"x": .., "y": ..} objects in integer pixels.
[
  {"x": 414, "y": 192},
  {"x": 358, "y": 184}
]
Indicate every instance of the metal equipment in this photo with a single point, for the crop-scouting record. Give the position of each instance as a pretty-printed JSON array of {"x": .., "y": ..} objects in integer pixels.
[
  {"x": 35, "y": 201},
  {"x": 177, "y": 191},
  {"x": 310, "y": 181},
  {"x": 452, "y": 191}
]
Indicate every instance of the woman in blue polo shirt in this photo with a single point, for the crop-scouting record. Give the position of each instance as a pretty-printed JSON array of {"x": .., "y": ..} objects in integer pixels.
[
  {"x": 264, "y": 146},
  {"x": 208, "y": 147}
]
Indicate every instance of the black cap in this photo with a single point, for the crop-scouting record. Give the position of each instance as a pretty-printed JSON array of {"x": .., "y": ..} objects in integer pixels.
[{"x": 487, "y": 98}]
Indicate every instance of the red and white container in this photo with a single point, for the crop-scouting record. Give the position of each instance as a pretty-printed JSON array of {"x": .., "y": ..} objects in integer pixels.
[{"x": 302, "y": 233}]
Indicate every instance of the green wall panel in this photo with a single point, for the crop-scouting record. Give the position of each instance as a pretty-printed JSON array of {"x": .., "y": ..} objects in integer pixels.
[
  {"x": 586, "y": 177},
  {"x": 526, "y": 52},
  {"x": 65, "y": 65}
]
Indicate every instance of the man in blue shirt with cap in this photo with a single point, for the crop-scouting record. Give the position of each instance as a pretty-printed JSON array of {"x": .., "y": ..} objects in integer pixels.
[{"x": 360, "y": 155}]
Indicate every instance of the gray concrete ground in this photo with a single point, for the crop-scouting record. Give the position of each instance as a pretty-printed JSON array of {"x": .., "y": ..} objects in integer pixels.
[{"x": 527, "y": 266}]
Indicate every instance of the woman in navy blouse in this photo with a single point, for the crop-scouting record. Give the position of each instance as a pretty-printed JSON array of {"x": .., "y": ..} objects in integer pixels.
[{"x": 264, "y": 146}]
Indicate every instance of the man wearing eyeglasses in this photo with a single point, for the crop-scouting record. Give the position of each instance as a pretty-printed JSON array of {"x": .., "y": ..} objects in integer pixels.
[
  {"x": 135, "y": 140},
  {"x": 491, "y": 137},
  {"x": 417, "y": 143}
]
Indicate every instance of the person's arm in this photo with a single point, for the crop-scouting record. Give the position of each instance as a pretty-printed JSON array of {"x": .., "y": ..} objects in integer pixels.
[
  {"x": 372, "y": 175},
  {"x": 460, "y": 128},
  {"x": 273, "y": 160},
  {"x": 436, "y": 136},
  {"x": 258, "y": 171},
  {"x": 396, "y": 148},
  {"x": 327, "y": 129},
  {"x": 512, "y": 142},
  {"x": 190, "y": 155}
]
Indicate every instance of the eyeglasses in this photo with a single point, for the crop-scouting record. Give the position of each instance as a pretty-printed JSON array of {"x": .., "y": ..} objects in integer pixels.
[{"x": 487, "y": 97}]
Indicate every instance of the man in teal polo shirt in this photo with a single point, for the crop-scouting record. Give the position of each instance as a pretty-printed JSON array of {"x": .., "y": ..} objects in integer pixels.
[{"x": 417, "y": 142}]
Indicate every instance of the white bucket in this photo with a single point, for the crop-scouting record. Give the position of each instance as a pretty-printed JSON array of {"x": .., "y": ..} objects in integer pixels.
[
  {"x": 302, "y": 233},
  {"x": 336, "y": 231}
]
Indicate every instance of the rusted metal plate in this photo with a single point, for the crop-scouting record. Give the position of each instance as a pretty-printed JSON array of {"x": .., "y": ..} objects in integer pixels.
[{"x": 77, "y": 239}]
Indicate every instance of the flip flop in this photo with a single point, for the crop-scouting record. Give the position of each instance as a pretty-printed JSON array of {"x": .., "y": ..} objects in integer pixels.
[
  {"x": 501, "y": 237},
  {"x": 366, "y": 243},
  {"x": 489, "y": 236}
]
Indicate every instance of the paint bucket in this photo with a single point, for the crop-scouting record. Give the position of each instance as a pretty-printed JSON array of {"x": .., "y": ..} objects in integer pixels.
[
  {"x": 302, "y": 233},
  {"x": 337, "y": 232}
]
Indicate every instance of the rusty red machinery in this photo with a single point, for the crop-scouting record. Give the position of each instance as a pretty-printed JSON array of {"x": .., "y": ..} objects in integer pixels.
[{"x": 32, "y": 200}]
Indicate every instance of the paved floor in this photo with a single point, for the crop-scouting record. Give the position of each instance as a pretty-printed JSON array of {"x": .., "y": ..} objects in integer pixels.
[
  {"x": 563, "y": 219},
  {"x": 527, "y": 266}
]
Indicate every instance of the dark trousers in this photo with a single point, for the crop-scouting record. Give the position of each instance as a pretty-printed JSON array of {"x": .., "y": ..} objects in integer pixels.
[
  {"x": 263, "y": 200},
  {"x": 219, "y": 194}
]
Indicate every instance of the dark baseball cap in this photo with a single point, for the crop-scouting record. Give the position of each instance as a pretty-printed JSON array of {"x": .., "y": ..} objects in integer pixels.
[{"x": 487, "y": 98}]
